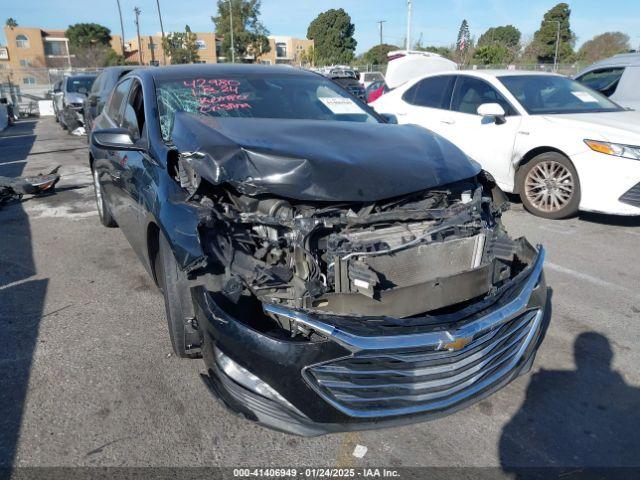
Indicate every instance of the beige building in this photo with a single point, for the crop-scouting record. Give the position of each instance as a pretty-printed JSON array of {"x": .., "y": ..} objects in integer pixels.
[
  {"x": 284, "y": 49},
  {"x": 152, "y": 52},
  {"x": 29, "y": 52}
]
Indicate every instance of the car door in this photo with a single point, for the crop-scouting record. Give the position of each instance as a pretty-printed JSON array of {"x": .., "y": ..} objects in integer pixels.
[
  {"x": 487, "y": 140},
  {"x": 57, "y": 97},
  {"x": 426, "y": 103},
  {"x": 108, "y": 166},
  {"x": 92, "y": 103},
  {"x": 132, "y": 170}
]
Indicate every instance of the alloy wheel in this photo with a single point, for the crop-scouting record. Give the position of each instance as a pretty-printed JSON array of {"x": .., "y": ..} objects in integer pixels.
[{"x": 549, "y": 186}]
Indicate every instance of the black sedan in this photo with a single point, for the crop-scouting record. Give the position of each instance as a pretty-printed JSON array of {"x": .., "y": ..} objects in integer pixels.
[{"x": 335, "y": 271}]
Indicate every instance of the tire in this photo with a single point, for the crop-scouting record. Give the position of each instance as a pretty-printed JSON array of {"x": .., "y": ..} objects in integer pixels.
[
  {"x": 185, "y": 340},
  {"x": 103, "y": 209},
  {"x": 549, "y": 186}
]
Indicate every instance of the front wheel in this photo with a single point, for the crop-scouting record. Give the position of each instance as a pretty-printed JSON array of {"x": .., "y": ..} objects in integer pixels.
[
  {"x": 103, "y": 209},
  {"x": 549, "y": 186}
]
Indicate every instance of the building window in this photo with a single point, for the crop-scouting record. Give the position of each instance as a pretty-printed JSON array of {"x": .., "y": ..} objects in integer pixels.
[
  {"x": 22, "y": 41},
  {"x": 201, "y": 44},
  {"x": 54, "y": 47},
  {"x": 29, "y": 80},
  {"x": 281, "y": 50},
  {"x": 25, "y": 62}
]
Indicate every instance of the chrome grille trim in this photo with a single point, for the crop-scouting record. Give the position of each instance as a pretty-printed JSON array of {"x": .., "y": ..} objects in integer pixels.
[{"x": 367, "y": 401}]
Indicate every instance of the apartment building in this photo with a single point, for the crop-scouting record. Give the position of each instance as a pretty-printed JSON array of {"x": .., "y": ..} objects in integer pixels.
[
  {"x": 31, "y": 52},
  {"x": 152, "y": 52},
  {"x": 288, "y": 50}
]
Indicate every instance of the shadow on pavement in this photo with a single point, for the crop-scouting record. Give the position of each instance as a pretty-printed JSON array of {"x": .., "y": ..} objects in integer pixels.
[
  {"x": 616, "y": 220},
  {"x": 586, "y": 417},
  {"x": 21, "y": 298}
]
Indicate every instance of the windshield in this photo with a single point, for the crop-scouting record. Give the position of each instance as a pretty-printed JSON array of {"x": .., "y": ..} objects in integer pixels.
[
  {"x": 548, "y": 94},
  {"x": 303, "y": 97},
  {"x": 80, "y": 84}
]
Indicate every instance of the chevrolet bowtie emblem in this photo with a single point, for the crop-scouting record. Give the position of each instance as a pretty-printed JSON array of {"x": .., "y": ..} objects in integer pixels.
[{"x": 457, "y": 344}]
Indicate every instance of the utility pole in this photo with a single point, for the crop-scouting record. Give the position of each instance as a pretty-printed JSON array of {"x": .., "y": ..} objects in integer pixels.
[
  {"x": 233, "y": 48},
  {"x": 409, "y": 7},
  {"x": 380, "y": 22},
  {"x": 121, "y": 27},
  {"x": 164, "y": 58},
  {"x": 555, "y": 56},
  {"x": 137, "y": 12}
]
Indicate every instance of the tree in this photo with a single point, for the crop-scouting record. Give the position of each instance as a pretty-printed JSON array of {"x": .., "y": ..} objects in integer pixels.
[
  {"x": 507, "y": 35},
  {"x": 332, "y": 33},
  {"x": 378, "y": 55},
  {"x": 11, "y": 22},
  {"x": 446, "y": 52},
  {"x": 464, "y": 45},
  {"x": 542, "y": 47},
  {"x": 88, "y": 35},
  {"x": 603, "y": 46},
  {"x": 182, "y": 47},
  {"x": 493, "y": 54},
  {"x": 249, "y": 34},
  {"x": 97, "y": 56},
  {"x": 308, "y": 57},
  {"x": 498, "y": 45}
]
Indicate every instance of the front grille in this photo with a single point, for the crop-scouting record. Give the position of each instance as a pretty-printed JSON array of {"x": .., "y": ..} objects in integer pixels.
[
  {"x": 632, "y": 196},
  {"x": 387, "y": 383}
]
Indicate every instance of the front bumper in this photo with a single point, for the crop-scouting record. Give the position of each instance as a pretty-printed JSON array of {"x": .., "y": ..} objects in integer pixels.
[
  {"x": 605, "y": 183},
  {"x": 357, "y": 381}
]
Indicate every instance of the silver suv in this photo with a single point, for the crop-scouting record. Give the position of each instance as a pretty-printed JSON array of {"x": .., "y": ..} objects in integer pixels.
[
  {"x": 69, "y": 95},
  {"x": 616, "y": 77}
]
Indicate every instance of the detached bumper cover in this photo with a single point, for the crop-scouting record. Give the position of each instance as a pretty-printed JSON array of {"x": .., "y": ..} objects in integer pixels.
[{"x": 354, "y": 381}]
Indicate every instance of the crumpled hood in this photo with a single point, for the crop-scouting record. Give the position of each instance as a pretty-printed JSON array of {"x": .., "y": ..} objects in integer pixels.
[
  {"x": 621, "y": 127},
  {"x": 318, "y": 160},
  {"x": 74, "y": 97}
]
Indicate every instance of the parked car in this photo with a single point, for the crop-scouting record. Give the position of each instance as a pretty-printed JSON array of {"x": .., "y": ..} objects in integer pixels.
[
  {"x": 335, "y": 272},
  {"x": 69, "y": 95},
  {"x": 375, "y": 90},
  {"x": 407, "y": 65},
  {"x": 617, "y": 77},
  {"x": 558, "y": 144},
  {"x": 347, "y": 79},
  {"x": 100, "y": 91},
  {"x": 367, "y": 78}
]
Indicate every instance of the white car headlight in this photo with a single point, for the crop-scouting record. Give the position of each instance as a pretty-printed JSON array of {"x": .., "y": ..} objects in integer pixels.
[{"x": 615, "y": 149}]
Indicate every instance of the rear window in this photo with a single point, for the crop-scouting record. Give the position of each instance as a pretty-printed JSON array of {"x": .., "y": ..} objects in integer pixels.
[
  {"x": 304, "y": 97},
  {"x": 604, "y": 80}
]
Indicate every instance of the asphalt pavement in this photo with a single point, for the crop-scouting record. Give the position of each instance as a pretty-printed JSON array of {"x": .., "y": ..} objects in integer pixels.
[{"x": 87, "y": 377}]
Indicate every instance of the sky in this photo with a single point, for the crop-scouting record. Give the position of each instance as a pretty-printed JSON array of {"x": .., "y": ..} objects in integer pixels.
[{"x": 435, "y": 21}]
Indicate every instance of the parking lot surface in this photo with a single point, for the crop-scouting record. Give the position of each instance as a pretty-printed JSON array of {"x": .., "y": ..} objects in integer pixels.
[{"x": 87, "y": 376}]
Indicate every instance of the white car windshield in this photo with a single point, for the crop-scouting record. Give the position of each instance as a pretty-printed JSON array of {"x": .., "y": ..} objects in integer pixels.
[{"x": 549, "y": 94}]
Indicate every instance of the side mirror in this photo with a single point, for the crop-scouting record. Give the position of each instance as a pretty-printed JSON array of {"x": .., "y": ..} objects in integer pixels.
[
  {"x": 93, "y": 100},
  {"x": 494, "y": 110},
  {"x": 114, "y": 138},
  {"x": 390, "y": 118}
]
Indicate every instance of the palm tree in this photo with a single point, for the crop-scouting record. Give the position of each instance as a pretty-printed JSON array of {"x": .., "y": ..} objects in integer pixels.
[{"x": 11, "y": 22}]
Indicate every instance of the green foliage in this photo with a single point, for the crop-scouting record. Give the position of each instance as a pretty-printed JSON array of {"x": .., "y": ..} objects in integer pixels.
[
  {"x": 506, "y": 35},
  {"x": 88, "y": 35},
  {"x": 542, "y": 48},
  {"x": 308, "y": 57},
  {"x": 11, "y": 22},
  {"x": 464, "y": 37},
  {"x": 249, "y": 34},
  {"x": 603, "y": 46},
  {"x": 378, "y": 55},
  {"x": 112, "y": 59},
  {"x": 446, "y": 52},
  {"x": 181, "y": 46},
  {"x": 493, "y": 54},
  {"x": 332, "y": 33}
]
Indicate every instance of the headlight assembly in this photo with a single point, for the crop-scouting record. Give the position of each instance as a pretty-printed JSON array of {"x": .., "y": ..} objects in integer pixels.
[{"x": 615, "y": 149}]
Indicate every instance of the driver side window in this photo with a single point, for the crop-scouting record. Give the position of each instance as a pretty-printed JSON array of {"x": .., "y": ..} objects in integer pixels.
[
  {"x": 115, "y": 107},
  {"x": 133, "y": 117},
  {"x": 470, "y": 93}
]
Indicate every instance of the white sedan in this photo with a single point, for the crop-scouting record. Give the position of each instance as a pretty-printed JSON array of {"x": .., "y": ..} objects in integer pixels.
[{"x": 558, "y": 144}]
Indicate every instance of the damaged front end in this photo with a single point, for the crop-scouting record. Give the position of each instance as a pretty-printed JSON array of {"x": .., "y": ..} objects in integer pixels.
[
  {"x": 341, "y": 290},
  {"x": 415, "y": 305}
]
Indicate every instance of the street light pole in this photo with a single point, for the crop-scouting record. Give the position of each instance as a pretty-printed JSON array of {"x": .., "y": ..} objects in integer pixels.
[
  {"x": 121, "y": 27},
  {"x": 233, "y": 48},
  {"x": 409, "y": 7},
  {"x": 380, "y": 22},
  {"x": 555, "y": 57},
  {"x": 137, "y": 12},
  {"x": 164, "y": 58}
]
